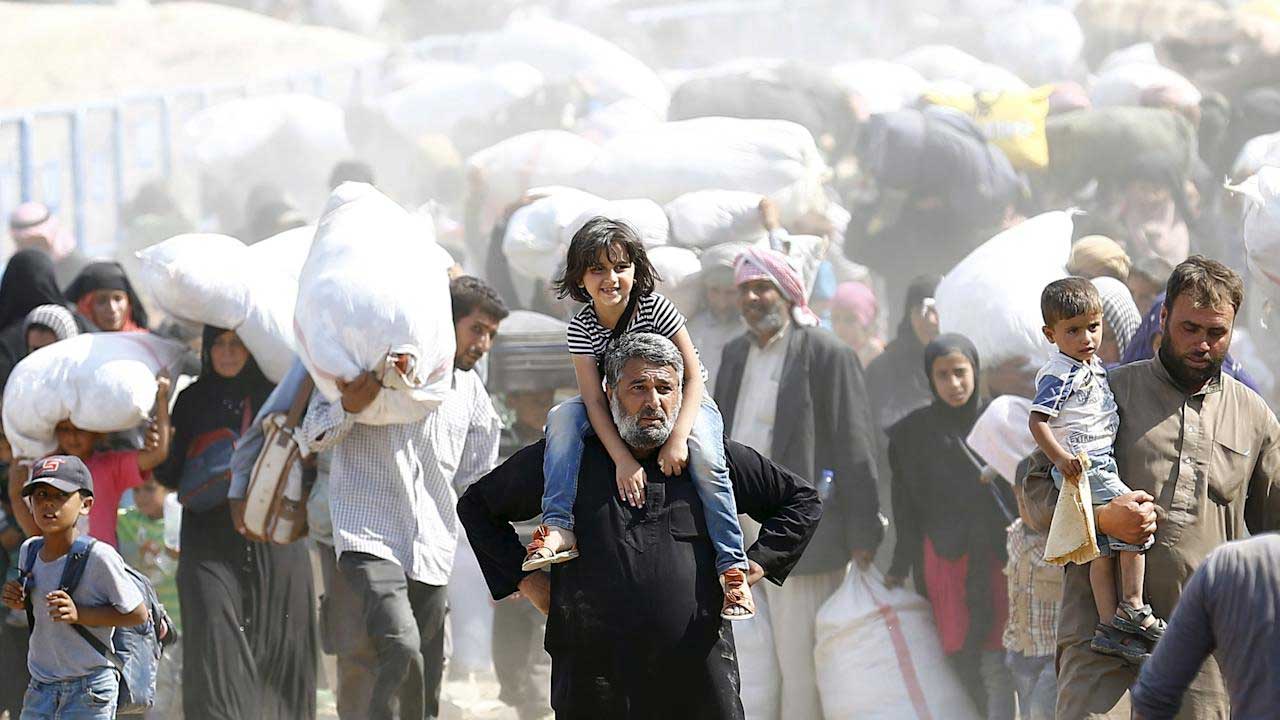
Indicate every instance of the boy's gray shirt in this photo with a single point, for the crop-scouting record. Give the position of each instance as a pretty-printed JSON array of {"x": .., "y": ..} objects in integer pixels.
[{"x": 57, "y": 651}]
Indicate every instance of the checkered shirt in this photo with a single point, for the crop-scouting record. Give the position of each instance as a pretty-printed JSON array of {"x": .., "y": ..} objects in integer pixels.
[
  {"x": 1035, "y": 595},
  {"x": 393, "y": 489}
]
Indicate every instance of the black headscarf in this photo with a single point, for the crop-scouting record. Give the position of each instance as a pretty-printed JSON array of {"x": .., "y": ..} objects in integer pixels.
[
  {"x": 28, "y": 283},
  {"x": 211, "y": 403},
  {"x": 107, "y": 275},
  {"x": 957, "y": 420}
]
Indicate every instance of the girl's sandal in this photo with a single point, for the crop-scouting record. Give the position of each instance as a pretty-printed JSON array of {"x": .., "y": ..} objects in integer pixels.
[
  {"x": 538, "y": 555},
  {"x": 738, "y": 603}
]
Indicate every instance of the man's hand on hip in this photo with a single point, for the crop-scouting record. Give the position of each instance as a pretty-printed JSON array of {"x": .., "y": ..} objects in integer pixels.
[
  {"x": 536, "y": 586},
  {"x": 1130, "y": 517},
  {"x": 755, "y": 573}
]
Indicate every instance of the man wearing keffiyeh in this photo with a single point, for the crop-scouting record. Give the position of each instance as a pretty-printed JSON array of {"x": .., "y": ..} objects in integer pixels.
[{"x": 794, "y": 392}]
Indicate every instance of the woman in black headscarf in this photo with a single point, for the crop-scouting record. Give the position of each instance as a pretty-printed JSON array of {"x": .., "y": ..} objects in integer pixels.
[
  {"x": 249, "y": 635},
  {"x": 28, "y": 283},
  {"x": 102, "y": 292},
  {"x": 894, "y": 383},
  {"x": 950, "y": 524}
]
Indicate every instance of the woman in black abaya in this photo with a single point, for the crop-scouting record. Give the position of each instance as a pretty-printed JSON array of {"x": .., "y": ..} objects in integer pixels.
[{"x": 249, "y": 650}]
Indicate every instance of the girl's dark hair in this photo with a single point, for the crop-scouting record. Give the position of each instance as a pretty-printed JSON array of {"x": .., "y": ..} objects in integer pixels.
[{"x": 620, "y": 241}]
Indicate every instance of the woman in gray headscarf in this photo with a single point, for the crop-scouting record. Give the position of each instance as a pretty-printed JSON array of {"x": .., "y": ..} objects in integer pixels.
[{"x": 1120, "y": 317}]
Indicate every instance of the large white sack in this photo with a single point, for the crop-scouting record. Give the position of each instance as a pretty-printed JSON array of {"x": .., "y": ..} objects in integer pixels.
[
  {"x": 644, "y": 216},
  {"x": 993, "y": 296},
  {"x": 1124, "y": 85},
  {"x": 357, "y": 16},
  {"x": 449, "y": 93},
  {"x": 884, "y": 86},
  {"x": 372, "y": 287},
  {"x": 198, "y": 277},
  {"x": 707, "y": 218},
  {"x": 1039, "y": 43},
  {"x": 533, "y": 159},
  {"x": 988, "y": 77},
  {"x": 759, "y": 674},
  {"x": 1256, "y": 154},
  {"x": 535, "y": 242},
  {"x": 1261, "y": 227},
  {"x": 470, "y": 622},
  {"x": 616, "y": 119},
  {"x": 564, "y": 52},
  {"x": 1002, "y": 435},
  {"x": 1141, "y": 53},
  {"x": 216, "y": 280},
  {"x": 291, "y": 141},
  {"x": 676, "y": 265},
  {"x": 940, "y": 62},
  {"x": 878, "y": 655},
  {"x": 102, "y": 382},
  {"x": 773, "y": 157}
]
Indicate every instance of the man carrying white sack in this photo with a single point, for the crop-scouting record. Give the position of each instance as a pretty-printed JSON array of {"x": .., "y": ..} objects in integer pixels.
[{"x": 392, "y": 502}]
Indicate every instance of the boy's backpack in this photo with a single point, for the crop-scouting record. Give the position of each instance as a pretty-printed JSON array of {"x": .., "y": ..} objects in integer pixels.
[{"x": 135, "y": 651}]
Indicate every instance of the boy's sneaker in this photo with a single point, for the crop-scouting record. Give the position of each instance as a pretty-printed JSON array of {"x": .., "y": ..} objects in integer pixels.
[
  {"x": 1139, "y": 621},
  {"x": 1108, "y": 640},
  {"x": 738, "y": 603},
  {"x": 564, "y": 547}
]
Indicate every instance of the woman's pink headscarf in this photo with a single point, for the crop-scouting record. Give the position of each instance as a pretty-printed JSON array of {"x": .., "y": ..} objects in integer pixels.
[
  {"x": 757, "y": 263},
  {"x": 32, "y": 224},
  {"x": 857, "y": 298}
]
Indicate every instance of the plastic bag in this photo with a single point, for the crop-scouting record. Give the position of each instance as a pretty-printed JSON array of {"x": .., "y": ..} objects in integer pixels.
[
  {"x": 878, "y": 656},
  {"x": 992, "y": 296},
  {"x": 101, "y": 382},
  {"x": 1012, "y": 121},
  {"x": 372, "y": 291}
]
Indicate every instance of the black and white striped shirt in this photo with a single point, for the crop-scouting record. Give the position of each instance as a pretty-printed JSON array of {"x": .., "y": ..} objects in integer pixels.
[{"x": 654, "y": 313}]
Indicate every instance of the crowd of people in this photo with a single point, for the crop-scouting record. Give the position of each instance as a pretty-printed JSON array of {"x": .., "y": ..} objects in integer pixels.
[{"x": 627, "y": 447}]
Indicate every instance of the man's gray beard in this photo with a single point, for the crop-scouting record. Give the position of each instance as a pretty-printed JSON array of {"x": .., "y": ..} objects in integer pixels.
[
  {"x": 771, "y": 322},
  {"x": 636, "y": 436}
]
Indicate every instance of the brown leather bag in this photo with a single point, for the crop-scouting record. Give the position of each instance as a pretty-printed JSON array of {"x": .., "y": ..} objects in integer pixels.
[{"x": 275, "y": 503}]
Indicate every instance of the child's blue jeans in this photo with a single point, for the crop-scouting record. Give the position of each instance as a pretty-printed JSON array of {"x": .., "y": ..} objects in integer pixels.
[
  {"x": 92, "y": 697},
  {"x": 568, "y": 424}
]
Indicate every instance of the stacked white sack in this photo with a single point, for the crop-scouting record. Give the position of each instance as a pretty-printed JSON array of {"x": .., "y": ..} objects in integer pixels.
[
  {"x": 993, "y": 296},
  {"x": 216, "y": 280},
  {"x": 772, "y": 157},
  {"x": 101, "y": 382},
  {"x": 374, "y": 288},
  {"x": 1261, "y": 227}
]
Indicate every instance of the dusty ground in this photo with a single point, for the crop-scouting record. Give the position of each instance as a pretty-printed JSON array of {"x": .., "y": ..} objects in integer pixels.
[
  {"x": 72, "y": 53},
  {"x": 473, "y": 698}
]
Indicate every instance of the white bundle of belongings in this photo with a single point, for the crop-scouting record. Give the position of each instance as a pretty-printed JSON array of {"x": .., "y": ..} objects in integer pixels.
[
  {"x": 883, "y": 86},
  {"x": 564, "y": 53},
  {"x": 1261, "y": 228},
  {"x": 535, "y": 241},
  {"x": 772, "y": 157},
  {"x": 282, "y": 140},
  {"x": 993, "y": 296},
  {"x": 707, "y": 218},
  {"x": 374, "y": 297},
  {"x": 1040, "y": 43},
  {"x": 1002, "y": 435},
  {"x": 878, "y": 656},
  {"x": 644, "y": 216},
  {"x": 449, "y": 93},
  {"x": 216, "y": 280},
  {"x": 503, "y": 172},
  {"x": 758, "y": 670},
  {"x": 101, "y": 382}
]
